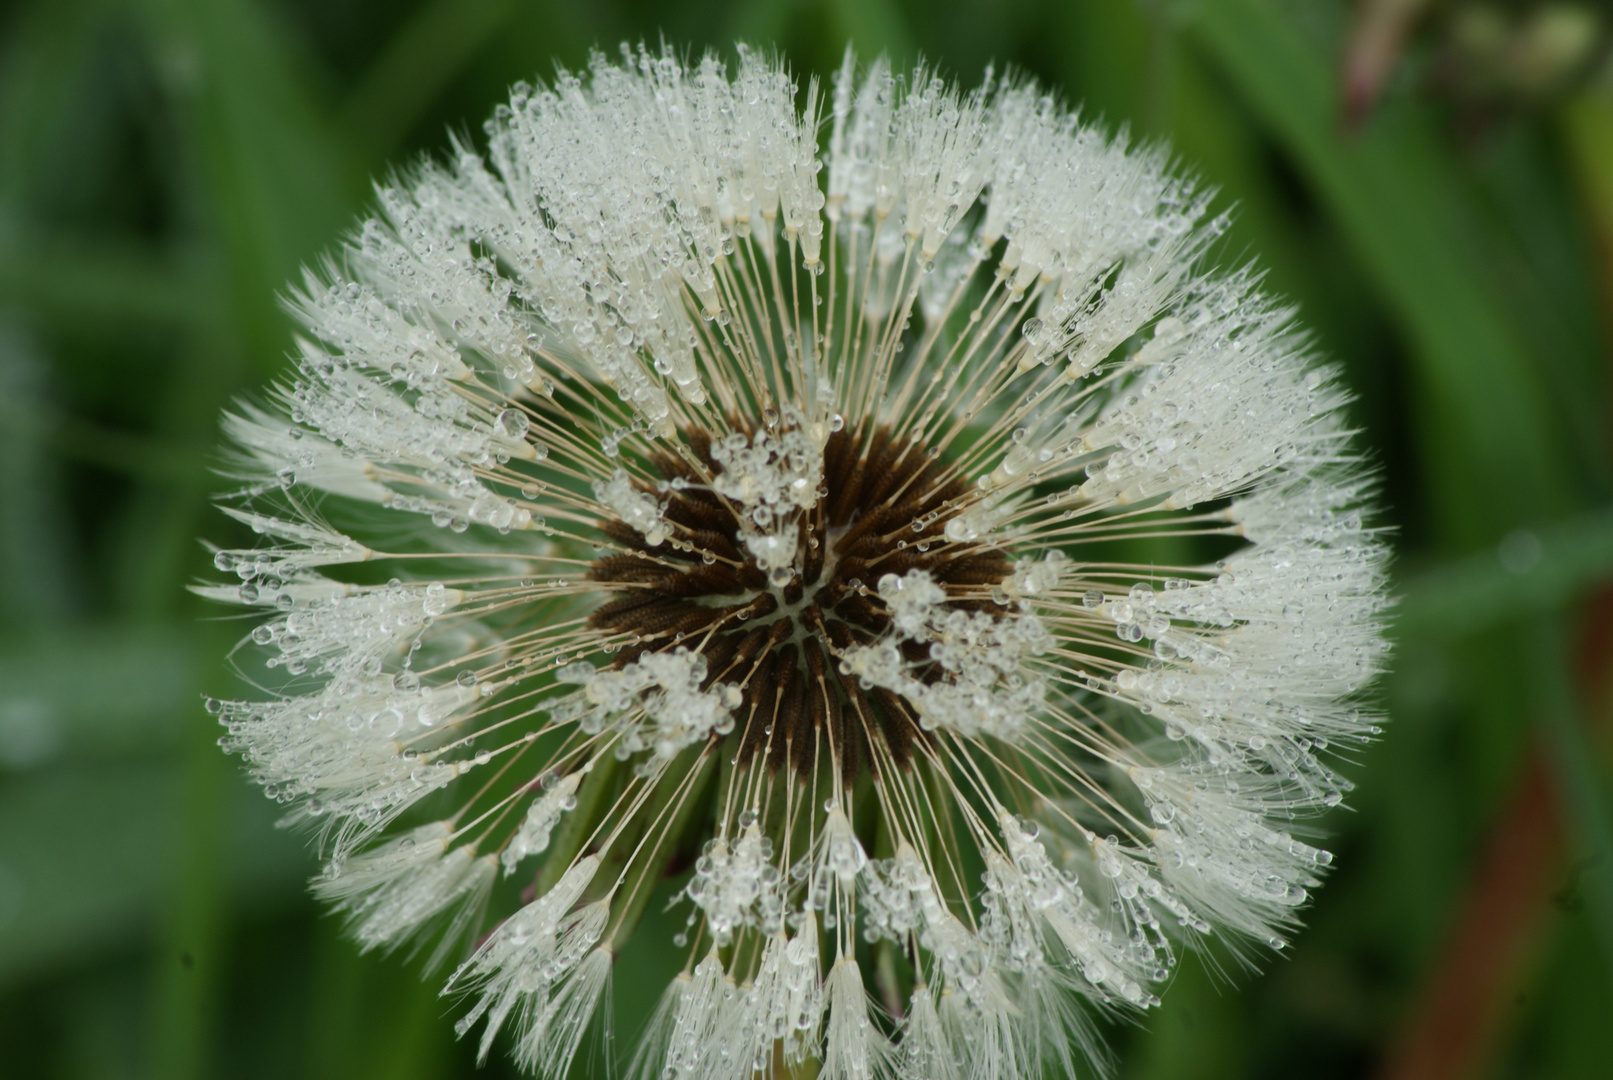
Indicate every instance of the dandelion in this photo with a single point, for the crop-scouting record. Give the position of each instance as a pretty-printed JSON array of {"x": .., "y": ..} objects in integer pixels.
[{"x": 645, "y": 495}]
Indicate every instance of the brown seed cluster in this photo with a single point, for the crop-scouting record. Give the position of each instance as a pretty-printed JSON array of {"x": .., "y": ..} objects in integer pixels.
[{"x": 883, "y": 506}]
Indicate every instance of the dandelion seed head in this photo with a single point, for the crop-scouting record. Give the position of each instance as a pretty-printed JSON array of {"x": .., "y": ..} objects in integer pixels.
[{"x": 718, "y": 467}]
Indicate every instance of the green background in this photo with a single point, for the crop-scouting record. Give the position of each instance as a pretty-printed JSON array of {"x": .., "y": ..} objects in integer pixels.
[{"x": 166, "y": 164}]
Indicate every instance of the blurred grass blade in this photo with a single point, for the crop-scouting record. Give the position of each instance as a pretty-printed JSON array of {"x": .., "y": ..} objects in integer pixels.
[
  {"x": 83, "y": 857},
  {"x": 1528, "y": 573},
  {"x": 93, "y": 800},
  {"x": 38, "y": 580},
  {"x": 94, "y": 694},
  {"x": 1401, "y": 202},
  {"x": 417, "y": 64},
  {"x": 104, "y": 284},
  {"x": 50, "y": 86},
  {"x": 86, "y": 853},
  {"x": 45, "y": 58},
  {"x": 1458, "y": 1019},
  {"x": 760, "y": 22},
  {"x": 190, "y": 960},
  {"x": 1586, "y": 123},
  {"x": 29, "y": 423},
  {"x": 279, "y": 181},
  {"x": 874, "y": 27},
  {"x": 1582, "y": 770},
  {"x": 277, "y": 185},
  {"x": 1377, "y": 36}
]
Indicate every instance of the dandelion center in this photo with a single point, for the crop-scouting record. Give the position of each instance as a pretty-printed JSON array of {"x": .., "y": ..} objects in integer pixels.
[{"x": 773, "y": 634}]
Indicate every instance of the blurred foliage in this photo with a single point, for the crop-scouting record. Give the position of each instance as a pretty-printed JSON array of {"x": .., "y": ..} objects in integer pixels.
[{"x": 1433, "y": 185}]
